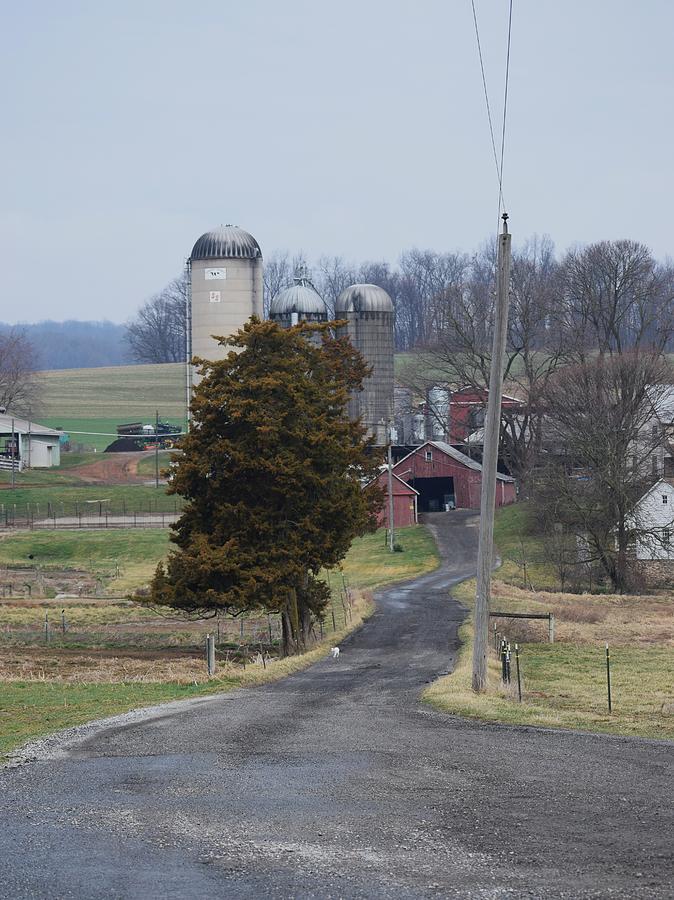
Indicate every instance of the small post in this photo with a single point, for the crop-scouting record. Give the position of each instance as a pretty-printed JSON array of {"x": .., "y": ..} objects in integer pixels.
[
  {"x": 551, "y": 628},
  {"x": 156, "y": 448},
  {"x": 503, "y": 662},
  {"x": 608, "y": 677},
  {"x": 210, "y": 654},
  {"x": 271, "y": 640},
  {"x": 63, "y": 621},
  {"x": 320, "y": 625},
  {"x": 334, "y": 624},
  {"x": 389, "y": 489},
  {"x": 46, "y": 627},
  {"x": 519, "y": 680}
]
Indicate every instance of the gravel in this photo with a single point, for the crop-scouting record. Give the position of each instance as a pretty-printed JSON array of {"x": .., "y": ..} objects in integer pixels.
[{"x": 337, "y": 782}]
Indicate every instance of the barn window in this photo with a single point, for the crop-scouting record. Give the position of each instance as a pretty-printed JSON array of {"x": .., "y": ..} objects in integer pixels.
[{"x": 429, "y": 455}]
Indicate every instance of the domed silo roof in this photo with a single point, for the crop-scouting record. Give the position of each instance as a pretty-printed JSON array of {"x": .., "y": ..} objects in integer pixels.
[
  {"x": 300, "y": 298},
  {"x": 226, "y": 242},
  {"x": 363, "y": 298}
]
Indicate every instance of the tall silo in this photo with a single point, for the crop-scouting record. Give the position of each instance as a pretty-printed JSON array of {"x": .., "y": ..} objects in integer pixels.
[
  {"x": 300, "y": 302},
  {"x": 226, "y": 281},
  {"x": 368, "y": 311}
]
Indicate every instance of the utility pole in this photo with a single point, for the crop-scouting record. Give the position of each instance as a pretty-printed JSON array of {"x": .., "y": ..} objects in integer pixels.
[
  {"x": 391, "y": 534},
  {"x": 492, "y": 427},
  {"x": 156, "y": 448},
  {"x": 13, "y": 455}
]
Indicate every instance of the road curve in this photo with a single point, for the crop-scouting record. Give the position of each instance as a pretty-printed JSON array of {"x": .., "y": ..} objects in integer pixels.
[{"x": 338, "y": 783}]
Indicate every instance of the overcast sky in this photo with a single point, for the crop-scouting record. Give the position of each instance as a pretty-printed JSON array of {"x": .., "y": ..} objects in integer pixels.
[{"x": 355, "y": 128}]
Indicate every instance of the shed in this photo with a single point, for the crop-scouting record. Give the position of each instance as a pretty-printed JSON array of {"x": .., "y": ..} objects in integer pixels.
[
  {"x": 28, "y": 444},
  {"x": 404, "y": 502},
  {"x": 443, "y": 476}
]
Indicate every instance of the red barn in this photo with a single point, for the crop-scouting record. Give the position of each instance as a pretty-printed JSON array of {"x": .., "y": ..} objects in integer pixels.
[
  {"x": 446, "y": 478},
  {"x": 466, "y": 411},
  {"x": 404, "y": 502}
]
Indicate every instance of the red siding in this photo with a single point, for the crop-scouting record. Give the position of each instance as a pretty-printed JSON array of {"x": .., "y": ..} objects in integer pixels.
[
  {"x": 467, "y": 481},
  {"x": 404, "y": 504}
]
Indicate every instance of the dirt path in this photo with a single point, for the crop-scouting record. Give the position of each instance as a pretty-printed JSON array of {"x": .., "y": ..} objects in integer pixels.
[
  {"x": 111, "y": 468},
  {"x": 338, "y": 783}
]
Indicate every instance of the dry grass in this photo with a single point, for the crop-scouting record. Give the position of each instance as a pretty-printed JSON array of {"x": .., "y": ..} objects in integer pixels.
[{"x": 564, "y": 684}]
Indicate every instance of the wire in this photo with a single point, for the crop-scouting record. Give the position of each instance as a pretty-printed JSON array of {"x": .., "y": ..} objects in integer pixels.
[
  {"x": 505, "y": 106},
  {"x": 497, "y": 162}
]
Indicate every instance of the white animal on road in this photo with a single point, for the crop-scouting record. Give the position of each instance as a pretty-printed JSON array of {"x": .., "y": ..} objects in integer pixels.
[{"x": 334, "y": 652}]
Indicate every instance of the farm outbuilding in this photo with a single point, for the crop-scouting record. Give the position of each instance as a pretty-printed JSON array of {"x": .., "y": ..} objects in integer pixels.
[
  {"x": 404, "y": 503},
  {"x": 446, "y": 478},
  {"x": 30, "y": 444}
]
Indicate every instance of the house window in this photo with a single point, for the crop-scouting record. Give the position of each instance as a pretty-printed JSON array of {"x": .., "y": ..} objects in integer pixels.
[
  {"x": 665, "y": 499},
  {"x": 666, "y": 538},
  {"x": 429, "y": 455}
]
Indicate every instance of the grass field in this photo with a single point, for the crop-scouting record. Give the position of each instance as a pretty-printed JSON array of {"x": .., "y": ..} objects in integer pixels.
[
  {"x": 119, "y": 393},
  {"x": 70, "y": 498},
  {"x": 564, "y": 684},
  {"x": 115, "y": 656}
]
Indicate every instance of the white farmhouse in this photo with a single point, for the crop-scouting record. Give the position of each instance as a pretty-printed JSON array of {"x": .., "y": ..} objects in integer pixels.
[
  {"x": 654, "y": 526},
  {"x": 29, "y": 444}
]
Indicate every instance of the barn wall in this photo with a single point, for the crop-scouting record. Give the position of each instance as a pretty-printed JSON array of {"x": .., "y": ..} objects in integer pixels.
[{"x": 467, "y": 482}]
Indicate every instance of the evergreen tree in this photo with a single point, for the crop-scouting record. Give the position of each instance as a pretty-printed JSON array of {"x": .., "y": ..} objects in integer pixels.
[{"x": 273, "y": 473}]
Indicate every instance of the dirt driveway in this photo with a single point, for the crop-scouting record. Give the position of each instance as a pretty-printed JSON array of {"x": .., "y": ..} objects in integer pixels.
[{"x": 338, "y": 783}]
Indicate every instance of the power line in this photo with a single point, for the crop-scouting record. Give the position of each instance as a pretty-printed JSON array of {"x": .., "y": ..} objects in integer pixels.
[{"x": 498, "y": 163}]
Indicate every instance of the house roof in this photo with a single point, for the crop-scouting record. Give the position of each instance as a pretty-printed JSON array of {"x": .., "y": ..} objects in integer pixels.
[
  {"x": 658, "y": 486},
  {"x": 456, "y": 455},
  {"x": 24, "y": 426},
  {"x": 662, "y": 398},
  {"x": 408, "y": 487},
  {"x": 485, "y": 391}
]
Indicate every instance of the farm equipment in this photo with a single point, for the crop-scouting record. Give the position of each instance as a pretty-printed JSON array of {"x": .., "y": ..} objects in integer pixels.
[{"x": 138, "y": 436}]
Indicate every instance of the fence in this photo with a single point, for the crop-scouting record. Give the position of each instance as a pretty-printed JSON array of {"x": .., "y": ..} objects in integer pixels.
[{"x": 158, "y": 513}]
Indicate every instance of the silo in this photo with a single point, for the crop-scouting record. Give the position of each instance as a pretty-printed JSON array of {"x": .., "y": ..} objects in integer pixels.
[
  {"x": 226, "y": 281},
  {"x": 300, "y": 302},
  {"x": 368, "y": 311}
]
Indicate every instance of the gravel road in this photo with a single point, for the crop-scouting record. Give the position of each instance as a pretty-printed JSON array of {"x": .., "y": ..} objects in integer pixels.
[{"x": 338, "y": 783}]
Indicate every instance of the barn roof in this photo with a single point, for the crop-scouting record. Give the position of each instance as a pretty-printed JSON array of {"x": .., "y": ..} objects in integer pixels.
[
  {"x": 24, "y": 426},
  {"x": 456, "y": 455}
]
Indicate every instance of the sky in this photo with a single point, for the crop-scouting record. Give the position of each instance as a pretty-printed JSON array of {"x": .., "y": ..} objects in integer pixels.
[{"x": 355, "y": 129}]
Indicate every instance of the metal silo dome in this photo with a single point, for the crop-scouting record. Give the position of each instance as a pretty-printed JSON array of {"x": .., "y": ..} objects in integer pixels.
[
  {"x": 226, "y": 242},
  {"x": 364, "y": 298},
  {"x": 301, "y": 298}
]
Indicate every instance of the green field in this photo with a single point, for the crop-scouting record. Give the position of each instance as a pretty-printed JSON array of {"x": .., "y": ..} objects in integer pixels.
[
  {"x": 83, "y": 674},
  {"x": 68, "y": 499},
  {"x": 117, "y": 393}
]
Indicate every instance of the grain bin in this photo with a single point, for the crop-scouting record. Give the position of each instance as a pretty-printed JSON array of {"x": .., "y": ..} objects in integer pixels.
[{"x": 368, "y": 312}]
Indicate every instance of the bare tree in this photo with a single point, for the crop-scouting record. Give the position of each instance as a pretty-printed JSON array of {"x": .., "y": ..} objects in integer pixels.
[
  {"x": 20, "y": 388},
  {"x": 600, "y": 410},
  {"x": 459, "y": 352},
  {"x": 615, "y": 297},
  {"x": 157, "y": 334}
]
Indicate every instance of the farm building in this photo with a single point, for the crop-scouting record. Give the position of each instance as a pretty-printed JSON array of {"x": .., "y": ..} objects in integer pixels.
[
  {"x": 467, "y": 408},
  {"x": 445, "y": 477},
  {"x": 404, "y": 502},
  {"x": 654, "y": 524},
  {"x": 31, "y": 445}
]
